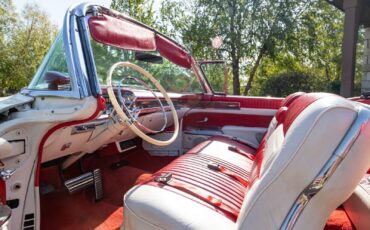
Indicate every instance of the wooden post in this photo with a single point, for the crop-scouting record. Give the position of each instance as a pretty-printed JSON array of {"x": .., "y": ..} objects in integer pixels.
[
  {"x": 352, "y": 10},
  {"x": 365, "y": 83}
]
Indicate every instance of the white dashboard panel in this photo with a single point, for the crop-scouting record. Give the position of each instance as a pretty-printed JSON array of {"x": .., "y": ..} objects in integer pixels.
[{"x": 66, "y": 141}]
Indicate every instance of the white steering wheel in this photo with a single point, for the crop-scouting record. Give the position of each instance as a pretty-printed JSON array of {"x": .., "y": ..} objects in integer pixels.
[{"x": 130, "y": 119}]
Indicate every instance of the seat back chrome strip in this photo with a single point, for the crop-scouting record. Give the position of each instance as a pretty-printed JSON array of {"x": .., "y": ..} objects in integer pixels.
[{"x": 327, "y": 171}]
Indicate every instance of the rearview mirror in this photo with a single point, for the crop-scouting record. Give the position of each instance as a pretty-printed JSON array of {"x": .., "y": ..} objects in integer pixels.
[
  {"x": 216, "y": 73},
  {"x": 56, "y": 79},
  {"x": 147, "y": 57}
]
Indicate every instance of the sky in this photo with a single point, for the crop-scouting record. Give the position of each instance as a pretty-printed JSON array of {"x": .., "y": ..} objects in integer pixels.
[{"x": 56, "y": 9}]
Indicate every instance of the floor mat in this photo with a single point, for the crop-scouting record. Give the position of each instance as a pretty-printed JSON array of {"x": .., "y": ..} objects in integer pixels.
[{"x": 61, "y": 210}]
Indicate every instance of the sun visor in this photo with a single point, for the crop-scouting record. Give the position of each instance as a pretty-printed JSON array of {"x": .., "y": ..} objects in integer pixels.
[
  {"x": 172, "y": 52},
  {"x": 127, "y": 35},
  {"x": 121, "y": 34}
]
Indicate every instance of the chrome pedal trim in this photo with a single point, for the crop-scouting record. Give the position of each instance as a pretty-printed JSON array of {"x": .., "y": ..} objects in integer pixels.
[
  {"x": 76, "y": 184},
  {"x": 328, "y": 170},
  {"x": 98, "y": 185},
  {"x": 83, "y": 181}
]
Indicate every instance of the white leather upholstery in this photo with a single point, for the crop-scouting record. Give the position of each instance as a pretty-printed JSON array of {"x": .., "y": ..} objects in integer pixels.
[
  {"x": 303, "y": 152},
  {"x": 147, "y": 207},
  {"x": 290, "y": 163},
  {"x": 358, "y": 205}
]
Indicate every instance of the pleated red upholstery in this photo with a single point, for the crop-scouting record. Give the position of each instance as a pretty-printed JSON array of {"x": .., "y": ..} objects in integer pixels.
[{"x": 191, "y": 168}]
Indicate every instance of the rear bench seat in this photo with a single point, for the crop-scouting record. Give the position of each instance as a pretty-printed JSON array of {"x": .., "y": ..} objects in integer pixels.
[{"x": 225, "y": 184}]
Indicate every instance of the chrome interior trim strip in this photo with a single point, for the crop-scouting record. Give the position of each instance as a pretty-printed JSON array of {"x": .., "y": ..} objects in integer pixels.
[{"x": 327, "y": 171}]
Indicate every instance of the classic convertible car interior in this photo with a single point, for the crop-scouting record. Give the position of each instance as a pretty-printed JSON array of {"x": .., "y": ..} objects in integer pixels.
[{"x": 120, "y": 128}]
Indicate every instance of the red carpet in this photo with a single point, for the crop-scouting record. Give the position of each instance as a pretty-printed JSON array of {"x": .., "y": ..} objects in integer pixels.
[
  {"x": 338, "y": 220},
  {"x": 61, "y": 210}
]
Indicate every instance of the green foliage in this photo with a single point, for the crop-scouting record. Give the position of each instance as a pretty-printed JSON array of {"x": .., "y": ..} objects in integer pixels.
[
  {"x": 248, "y": 28},
  {"x": 281, "y": 85},
  {"x": 172, "y": 77},
  {"x": 214, "y": 73},
  {"x": 264, "y": 38},
  {"x": 141, "y": 10},
  {"x": 314, "y": 48},
  {"x": 24, "y": 41}
]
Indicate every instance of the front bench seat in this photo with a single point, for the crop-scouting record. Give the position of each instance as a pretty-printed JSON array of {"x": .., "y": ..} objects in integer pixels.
[{"x": 304, "y": 138}]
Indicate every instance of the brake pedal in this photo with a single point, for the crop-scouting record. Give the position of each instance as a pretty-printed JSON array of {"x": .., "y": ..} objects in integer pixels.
[{"x": 86, "y": 180}]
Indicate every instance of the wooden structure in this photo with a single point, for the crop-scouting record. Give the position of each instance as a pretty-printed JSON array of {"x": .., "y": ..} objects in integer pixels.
[{"x": 357, "y": 13}]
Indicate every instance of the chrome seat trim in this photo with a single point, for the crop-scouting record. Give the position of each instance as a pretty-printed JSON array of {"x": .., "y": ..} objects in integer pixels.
[{"x": 327, "y": 171}]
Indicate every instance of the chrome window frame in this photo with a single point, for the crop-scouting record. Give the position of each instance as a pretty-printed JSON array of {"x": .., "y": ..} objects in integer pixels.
[{"x": 80, "y": 84}]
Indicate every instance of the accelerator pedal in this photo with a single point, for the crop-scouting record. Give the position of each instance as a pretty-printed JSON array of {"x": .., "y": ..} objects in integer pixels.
[{"x": 86, "y": 180}]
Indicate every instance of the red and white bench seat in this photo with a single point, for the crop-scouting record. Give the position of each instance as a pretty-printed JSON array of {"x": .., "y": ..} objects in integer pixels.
[{"x": 256, "y": 189}]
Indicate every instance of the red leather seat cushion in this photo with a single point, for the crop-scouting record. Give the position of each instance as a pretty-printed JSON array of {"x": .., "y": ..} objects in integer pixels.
[{"x": 192, "y": 169}]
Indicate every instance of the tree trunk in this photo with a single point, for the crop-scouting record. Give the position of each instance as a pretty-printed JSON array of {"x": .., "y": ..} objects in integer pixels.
[
  {"x": 253, "y": 71},
  {"x": 327, "y": 75},
  {"x": 236, "y": 82},
  {"x": 234, "y": 50}
]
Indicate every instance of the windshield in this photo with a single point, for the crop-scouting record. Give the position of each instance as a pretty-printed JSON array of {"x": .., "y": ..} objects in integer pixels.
[
  {"x": 173, "y": 78},
  {"x": 53, "y": 72}
]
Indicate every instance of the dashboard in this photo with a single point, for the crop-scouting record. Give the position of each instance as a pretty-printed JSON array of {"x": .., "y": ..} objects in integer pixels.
[{"x": 108, "y": 127}]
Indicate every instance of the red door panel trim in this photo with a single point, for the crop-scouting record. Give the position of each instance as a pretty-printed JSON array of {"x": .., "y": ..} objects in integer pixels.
[
  {"x": 218, "y": 120},
  {"x": 251, "y": 102}
]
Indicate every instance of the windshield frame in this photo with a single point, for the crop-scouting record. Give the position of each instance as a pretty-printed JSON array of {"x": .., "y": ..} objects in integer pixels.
[
  {"x": 80, "y": 61},
  {"x": 206, "y": 89},
  {"x": 80, "y": 86}
]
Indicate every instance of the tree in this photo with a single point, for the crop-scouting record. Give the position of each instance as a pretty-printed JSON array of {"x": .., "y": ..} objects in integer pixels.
[
  {"x": 7, "y": 18},
  {"x": 281, "y": 85},
  {"x": 26, "y": 41},
  {"x": 250, "y": 29},
  {"x": 313, "y": 47},
  {"x": 141, "y": 10},
  {"x": 7, "y": 21}
]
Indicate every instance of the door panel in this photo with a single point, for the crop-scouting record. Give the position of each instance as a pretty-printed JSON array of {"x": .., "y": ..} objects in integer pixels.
[{"x": 245, "y": 118}]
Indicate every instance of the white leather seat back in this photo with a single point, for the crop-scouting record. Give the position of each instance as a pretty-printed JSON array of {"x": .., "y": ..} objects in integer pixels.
[{"x": 292, "y": 160}]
